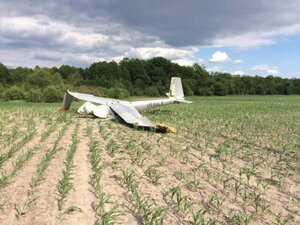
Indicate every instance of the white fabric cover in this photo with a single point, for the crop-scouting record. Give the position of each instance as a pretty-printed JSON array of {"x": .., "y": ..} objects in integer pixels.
[
  {"x": 101, "y": 111},
  {"x": 86, "y": 109}
]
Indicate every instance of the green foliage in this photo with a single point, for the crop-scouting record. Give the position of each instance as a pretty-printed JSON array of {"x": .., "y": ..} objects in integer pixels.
[
  {"x": 220, "y": 89},
  {"x": 14, "y": 93},
  {"x": 19, "y": 75},
  {"x": 52, "y": 94},
  {"x": 43, "y": 77},
  {"x": 34, "y": 95},
  {"x": 4, "y": 74},
  {"x": 117, "y": 93},
  {"x": 2, "y": 91},
  {"x": 152, "y": 91}
]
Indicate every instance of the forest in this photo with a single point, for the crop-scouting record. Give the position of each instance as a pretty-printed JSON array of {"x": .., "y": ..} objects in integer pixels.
[{"x": 133, "y": 77}]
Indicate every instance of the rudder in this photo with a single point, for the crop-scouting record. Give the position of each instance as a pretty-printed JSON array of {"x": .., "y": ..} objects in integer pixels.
[{"x": 176, "y": 88}]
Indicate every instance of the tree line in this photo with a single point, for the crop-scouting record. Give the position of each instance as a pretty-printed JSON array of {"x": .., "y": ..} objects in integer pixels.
[{"x": 133, "y": 77}]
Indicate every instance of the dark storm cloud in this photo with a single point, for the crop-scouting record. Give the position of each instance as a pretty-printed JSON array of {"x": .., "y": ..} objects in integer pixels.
[
  {"x": 177, "y": 22},
  {"x": 111, "y": 28},
  {"x": 45, "y": 56}
]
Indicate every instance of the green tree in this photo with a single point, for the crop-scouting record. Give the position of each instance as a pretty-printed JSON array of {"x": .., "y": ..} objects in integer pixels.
[
  {"x": 4, "y": 74},
  {"x": 43, "y": 77},
  {"x": 34, "y": 95},
  {"x": 220, "y": 89},
  {"x": 52, "y": 94},
  {"x": 14, "y": 93},
  {"x": 19, "y": 75},
  {"x": 151, "y": 91}
]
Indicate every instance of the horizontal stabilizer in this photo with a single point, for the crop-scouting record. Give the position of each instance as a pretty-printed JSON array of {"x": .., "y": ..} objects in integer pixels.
[{"x": 183, "y": 101}]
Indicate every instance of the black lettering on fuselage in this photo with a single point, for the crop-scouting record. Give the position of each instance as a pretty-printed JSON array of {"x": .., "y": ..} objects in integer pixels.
[{"x": 154, "y": 104}]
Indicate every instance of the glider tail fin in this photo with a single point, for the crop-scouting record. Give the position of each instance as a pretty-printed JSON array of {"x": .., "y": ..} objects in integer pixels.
[{"x": 176, "y": 90}]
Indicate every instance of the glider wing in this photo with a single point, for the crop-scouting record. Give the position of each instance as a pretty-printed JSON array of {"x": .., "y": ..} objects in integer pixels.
[
  {"x": 130, "y": 115},
  {"x": 92, "y": 98}
]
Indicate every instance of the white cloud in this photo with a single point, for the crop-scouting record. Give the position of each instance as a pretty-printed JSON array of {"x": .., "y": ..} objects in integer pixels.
[
  {"x": 167, "y": 52},
  {"x": 272, "y": 70},
  {"x": 238, "y": 72},
  {"x": 243, "y": 41},
  {"x": 184, "y": 62},
  {"x": 255, "y": 38},
  {"x": 56, "y": 42},
  {"x": 237, "y": 61},
  {"x": 221, "y": 57},
  {"x": 43, "y": 30}
]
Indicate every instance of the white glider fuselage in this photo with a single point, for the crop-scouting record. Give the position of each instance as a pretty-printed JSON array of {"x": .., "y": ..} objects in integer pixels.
[
  {"x": 149, "y": 104},
  {"x": 127, "y": 110}
]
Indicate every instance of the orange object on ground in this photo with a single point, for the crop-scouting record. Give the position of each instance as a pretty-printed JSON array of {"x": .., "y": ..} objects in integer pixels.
[{"x": 166, "y": 128}]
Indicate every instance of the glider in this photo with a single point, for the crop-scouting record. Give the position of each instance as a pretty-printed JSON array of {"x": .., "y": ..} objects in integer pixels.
[{"x": 128, "y": 111}]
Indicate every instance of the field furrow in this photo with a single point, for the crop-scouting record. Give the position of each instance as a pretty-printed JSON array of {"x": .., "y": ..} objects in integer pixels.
[
  {"x": 234, "y": 160},
  {"x": 81, "y": 197},
  {"x": 44, "y": 208},
  {"x": 15, "y": 194}
]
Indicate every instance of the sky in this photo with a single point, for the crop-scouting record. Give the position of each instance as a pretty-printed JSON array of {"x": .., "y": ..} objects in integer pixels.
[{"x": 244, "y": 37}]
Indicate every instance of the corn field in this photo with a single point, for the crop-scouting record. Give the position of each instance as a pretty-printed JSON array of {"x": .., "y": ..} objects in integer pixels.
[{"x": 234, "y": 160}]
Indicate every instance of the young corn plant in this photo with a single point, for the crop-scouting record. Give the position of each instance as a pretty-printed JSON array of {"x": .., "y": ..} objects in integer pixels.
[
  {"x": 199, "y": 219},
  {"x": 111, "y": 216},
  {"x": 64, "y": 187},
  {"x": 6, "y": 176},
  {"x": 31, "y": 194},
  {"x": 280, "y": 219},
  {"x": 256, "y": 201},
  {"x": 46, "y": 159},
  {"x": 22, "y": 210},
  {"x": 112, "y": 147},
  {"x": 157, "y": 216},
  {"x": 241, "y": 218},
  {"x": 182, "y": 202},
  {"x": 148, "y": 214},
  {"x": 72, "y": 209},
  {"x": 153, "y": 174},
  {"x": 179, "y": 175},
  {"x": 65, "y": 184},
  {"x": 238, "y": 187},
  {"x": 216, "y": 202},
  {"x": 128, "y": 177},
  {"x": 102, "y": 201},
  {"x": 46, "y": 134},
  {"x": 249, "y": 172},
  {"x": 194, "y": 185},
  {"x": 1, "y": 207},
  {"x": 17, "y": 146}
]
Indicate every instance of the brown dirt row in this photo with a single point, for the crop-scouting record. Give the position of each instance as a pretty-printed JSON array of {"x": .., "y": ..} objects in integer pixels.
[
  {"x": 44, "y": 210},
  {"x": 15, "y": 193},
  {"x": 82, "y": 196},
  {"x": 8, "y": 164},
  {"x": 271, "y": 195}
]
